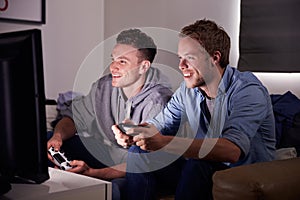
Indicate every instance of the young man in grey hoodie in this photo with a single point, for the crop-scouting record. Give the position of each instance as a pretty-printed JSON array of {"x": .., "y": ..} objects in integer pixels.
[{"x": 133, "y": 90}]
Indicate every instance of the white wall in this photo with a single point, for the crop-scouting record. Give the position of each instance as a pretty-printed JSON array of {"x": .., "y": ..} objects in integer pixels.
[
  {"x": 73, "y": 28},
  {"x": 280, "y": 83},
  {"x": 174, "y": 14}
]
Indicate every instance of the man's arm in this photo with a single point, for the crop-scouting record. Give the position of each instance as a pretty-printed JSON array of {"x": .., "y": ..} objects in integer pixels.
[
  {"x": 214, "y": 149},
  {"x": 64, "y": 129},
  {"x": 107, "y": 173}
]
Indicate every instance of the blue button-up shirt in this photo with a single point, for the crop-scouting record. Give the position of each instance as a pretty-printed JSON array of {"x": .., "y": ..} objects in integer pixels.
[{"x": 242, "y": 114}]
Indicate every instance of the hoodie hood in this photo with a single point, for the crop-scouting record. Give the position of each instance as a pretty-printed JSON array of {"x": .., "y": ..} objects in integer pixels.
[{"x": 155, "y": 80}]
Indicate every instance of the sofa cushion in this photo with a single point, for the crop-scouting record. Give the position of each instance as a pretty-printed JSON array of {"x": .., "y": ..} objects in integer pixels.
[
  {"x": 285, "y": 153},
  {"x": 279, "y": 179},
  {"x": 291, "y": 138},
  {"x": 285, "y": 108}
]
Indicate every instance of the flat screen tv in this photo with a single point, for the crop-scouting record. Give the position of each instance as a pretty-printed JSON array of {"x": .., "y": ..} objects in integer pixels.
[{"x": 23, "y": 142}]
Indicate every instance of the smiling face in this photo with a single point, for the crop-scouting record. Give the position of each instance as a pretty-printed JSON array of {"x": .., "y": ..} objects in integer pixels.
[
  {"x": 126, "y": 68},
  {"x": 195, "y": 63}
]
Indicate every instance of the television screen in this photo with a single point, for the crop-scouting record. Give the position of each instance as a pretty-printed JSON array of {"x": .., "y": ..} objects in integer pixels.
[{"x": 23, "y": 142}]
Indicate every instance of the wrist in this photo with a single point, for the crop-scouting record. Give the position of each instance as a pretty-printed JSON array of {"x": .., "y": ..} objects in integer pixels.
[{"x": 57, "y": 136}]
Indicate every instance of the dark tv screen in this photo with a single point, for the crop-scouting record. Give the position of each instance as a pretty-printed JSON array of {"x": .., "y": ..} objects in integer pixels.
[{"x": 23, "y": 142}]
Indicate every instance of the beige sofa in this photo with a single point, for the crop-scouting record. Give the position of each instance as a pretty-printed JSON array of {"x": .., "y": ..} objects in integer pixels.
[{"x": 278, "y": 179}]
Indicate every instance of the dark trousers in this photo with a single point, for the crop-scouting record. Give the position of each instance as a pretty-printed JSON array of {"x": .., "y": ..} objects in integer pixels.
[
  {"x": 187, "y": 179},
  {"x": 196, "y": 179}
]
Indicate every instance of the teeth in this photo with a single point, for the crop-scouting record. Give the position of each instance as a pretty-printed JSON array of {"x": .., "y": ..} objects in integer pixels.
[{"x": 185, "y": 75}]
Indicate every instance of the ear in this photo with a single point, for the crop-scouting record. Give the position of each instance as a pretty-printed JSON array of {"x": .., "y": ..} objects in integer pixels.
[
  {"x": 216, "y": 57},
  {"x": 145, "y": 65}
]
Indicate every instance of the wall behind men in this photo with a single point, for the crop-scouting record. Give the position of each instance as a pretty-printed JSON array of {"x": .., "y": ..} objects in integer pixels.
[
  {"x": 174, "y": 14},
  {"x": 73, "y": 28}
]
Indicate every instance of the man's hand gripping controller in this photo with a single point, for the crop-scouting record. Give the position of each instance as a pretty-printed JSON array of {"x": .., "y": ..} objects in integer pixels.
[{"x": 60, "y": 159}]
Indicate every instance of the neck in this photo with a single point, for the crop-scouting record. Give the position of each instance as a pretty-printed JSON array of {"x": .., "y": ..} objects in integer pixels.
[
  {"x": 209, "y": 92},
  {"x": 134, "y": 89},
  {"x": 211, "y": 88}
]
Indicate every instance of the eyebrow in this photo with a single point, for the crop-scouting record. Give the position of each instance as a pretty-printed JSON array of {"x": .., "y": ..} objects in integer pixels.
[
  {"x": 187, "y": 54},
  {"x": 120, "y": 57}
]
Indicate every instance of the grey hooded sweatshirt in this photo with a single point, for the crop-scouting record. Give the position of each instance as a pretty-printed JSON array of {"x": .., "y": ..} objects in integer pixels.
[{"x": 104, "y": 106}]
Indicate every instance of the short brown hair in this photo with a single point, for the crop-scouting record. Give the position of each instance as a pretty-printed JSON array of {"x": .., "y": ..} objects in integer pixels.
[
  {"x": 211, "y": 36},
  {"x": 139, "y": 40}
]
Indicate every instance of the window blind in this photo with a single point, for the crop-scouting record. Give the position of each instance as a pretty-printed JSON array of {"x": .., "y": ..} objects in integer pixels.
[{"x": 269, "y": 38}]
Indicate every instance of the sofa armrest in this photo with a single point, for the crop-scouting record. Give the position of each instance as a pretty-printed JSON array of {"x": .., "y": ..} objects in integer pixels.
[{"x": 279, "y": 179}]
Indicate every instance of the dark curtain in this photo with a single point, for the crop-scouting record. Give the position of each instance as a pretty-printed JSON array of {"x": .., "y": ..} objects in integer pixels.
[{"x": 270, "y": 36}]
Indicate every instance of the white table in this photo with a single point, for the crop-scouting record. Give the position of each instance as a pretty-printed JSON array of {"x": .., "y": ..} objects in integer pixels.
[{"x": 62, "y": 185}]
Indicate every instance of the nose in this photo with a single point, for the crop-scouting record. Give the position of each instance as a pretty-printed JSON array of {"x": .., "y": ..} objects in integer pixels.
[
  {"x": 113, "y": 65},
  {"x": 182, "y": 64}
]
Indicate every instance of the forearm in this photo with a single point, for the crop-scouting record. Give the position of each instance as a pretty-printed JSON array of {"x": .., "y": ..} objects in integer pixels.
[
  {"x": 107, "y": 173},
  {"x": 65, "y": 128},
  {"x": 218, "y": 149}
]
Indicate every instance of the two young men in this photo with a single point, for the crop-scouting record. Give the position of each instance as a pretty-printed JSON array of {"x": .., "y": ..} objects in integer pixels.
[{"x": 218, "y": 118}]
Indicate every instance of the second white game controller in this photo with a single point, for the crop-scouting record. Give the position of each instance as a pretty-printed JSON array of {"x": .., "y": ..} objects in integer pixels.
[{"x": 60, "y": 159}]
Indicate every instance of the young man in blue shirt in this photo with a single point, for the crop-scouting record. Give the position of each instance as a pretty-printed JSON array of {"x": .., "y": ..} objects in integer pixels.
[{"x": 218, "y": 118}]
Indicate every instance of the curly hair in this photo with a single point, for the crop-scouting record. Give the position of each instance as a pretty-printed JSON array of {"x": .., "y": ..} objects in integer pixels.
[
  {"x": 211, "y": 36},
  {"x": 139, "y": 40}
]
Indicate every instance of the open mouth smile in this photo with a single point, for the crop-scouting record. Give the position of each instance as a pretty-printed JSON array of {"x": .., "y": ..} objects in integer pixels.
[
  {"x": 187, "y": 75},
  {"x": 116, "y": 75}
]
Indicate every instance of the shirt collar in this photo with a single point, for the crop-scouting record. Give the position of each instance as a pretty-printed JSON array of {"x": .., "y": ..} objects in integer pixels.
[
  {"x": 224, "y": 83},
  {"x": 226, "y": 80}
]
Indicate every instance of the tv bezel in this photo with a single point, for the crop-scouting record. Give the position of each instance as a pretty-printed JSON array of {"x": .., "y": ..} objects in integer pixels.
[{"x": 23, "y": 139}]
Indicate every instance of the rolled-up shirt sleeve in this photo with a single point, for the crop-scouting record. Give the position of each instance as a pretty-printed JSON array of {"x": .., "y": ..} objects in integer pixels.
[{"x": 245, "y": 113}]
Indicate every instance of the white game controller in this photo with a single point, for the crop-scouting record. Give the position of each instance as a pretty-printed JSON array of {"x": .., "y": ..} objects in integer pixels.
[{"x": 60, "y": 159}]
